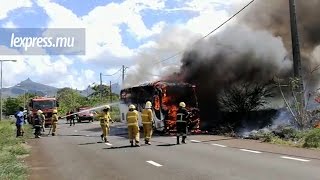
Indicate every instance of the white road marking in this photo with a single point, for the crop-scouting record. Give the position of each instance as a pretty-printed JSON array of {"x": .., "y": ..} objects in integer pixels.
[
  {"x": 220, "y": 145},
  {"x": 247, "y": 150},
  {"x": 75, "y": 130},
  {"x": 195, "y": 141},
  {"x": 154, "y": 163},
  {"x": 108, "y": 144},
  {"x": 297, "y": 159},
  {"x": 87, "y": 135}
]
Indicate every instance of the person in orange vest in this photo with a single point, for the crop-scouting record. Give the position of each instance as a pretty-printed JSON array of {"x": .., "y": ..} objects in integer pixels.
[
  {"x": 133, "y": 126},
  {"x": 147, "y": 121}
]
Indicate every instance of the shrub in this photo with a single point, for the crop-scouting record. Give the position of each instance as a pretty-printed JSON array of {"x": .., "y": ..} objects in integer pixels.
[{"x": 312, "y": 139}]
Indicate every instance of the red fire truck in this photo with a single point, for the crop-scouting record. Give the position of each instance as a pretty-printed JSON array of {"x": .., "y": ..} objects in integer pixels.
[{"x": 46, "y": 105}]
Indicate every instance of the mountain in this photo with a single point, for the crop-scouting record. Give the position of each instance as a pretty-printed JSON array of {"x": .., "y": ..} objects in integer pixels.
[{"x": 29, "y": 86}]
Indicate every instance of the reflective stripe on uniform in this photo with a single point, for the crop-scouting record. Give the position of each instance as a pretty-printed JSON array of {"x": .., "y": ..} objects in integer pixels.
[
  {"x": 181, "y": 121},
  {"x": 146, "y": 122},
  {"x": 132, "y": 116},
  {"x": 144, "y": 115},
  {"x": 181, "y": 115},
  {"x": 132, "y": 124}
]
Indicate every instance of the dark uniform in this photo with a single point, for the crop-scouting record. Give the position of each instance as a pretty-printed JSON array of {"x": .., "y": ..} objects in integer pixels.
[
  {"x": 182, "y": 120},
  {"x": 73, "y": 118},
  {"x": 37, "y": 126}
]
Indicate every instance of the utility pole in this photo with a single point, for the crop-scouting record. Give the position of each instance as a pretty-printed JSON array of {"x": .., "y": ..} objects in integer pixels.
[
  {"x": 296, "y": 53},
  {"x": 123, "y": 75},
  {"x": 1, "y": 61},
  {"x": 110, "y": 93},
  {"x": 100, "y": 88}
]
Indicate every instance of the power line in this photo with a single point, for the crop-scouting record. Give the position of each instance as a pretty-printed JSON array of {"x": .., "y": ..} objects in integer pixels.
[
  {"x": 214, "y": 30},
  {"x": 217, "y": 28},
  {"x": 113, "y": 73}
]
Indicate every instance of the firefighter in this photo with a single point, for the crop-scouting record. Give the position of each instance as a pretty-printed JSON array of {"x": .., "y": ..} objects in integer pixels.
[
  {"x": 42, "y": 120},
  {"x": 54, "y": 121},
  {"x": 147, "y": 122},
  {"x": 105, "y": 119},
  {"x": 182, "y": 116},
  {"x": 133, "y": 126},
  {"x": 37, "y": 124}
]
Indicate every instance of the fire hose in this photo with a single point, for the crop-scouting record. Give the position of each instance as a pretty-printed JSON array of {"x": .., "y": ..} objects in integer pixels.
[{"x": 50, "y": 130}]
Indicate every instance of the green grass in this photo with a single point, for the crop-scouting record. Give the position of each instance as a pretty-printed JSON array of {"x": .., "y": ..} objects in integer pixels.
[
  {"x": 11, "y": 167},
  {"x": 303, "y": 139},
  {"x": 312, "y": 139}
]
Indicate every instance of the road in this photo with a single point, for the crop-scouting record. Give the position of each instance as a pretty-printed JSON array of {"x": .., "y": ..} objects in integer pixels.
[{"x": 77, "y": 153}]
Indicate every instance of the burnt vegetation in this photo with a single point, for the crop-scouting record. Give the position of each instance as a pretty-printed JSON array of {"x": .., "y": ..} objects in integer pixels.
[{"x": 245, "y": 97}]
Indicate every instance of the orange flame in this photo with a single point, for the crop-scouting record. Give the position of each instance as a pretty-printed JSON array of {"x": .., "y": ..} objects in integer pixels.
[
  {"x": 171, "y": 109},
  {"x": 157, "y": 103},
  {"x": 169, "y": 105}
]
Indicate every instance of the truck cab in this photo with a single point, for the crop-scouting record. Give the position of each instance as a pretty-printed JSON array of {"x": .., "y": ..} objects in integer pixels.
[{"x": 46, "y": 105}]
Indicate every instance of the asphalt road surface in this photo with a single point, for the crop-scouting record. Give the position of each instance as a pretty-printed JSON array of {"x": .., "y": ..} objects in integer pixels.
[{"x": 77, "y": 153}]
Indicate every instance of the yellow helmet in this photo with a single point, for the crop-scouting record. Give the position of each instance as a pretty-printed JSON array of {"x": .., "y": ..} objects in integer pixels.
[
  {"x": 55, "y": 111},
  {"x": 39, "y": 112},
  {"x": 132, "y": 106},
  {"x": 182, "y": 104},
  {"x": 148, "y": 105}
]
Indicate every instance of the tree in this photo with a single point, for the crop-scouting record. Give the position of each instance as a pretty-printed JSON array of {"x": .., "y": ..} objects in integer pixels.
[
  {"x": 302, "y": 118},
  {"x": 69, "y": 99},
  {"x": 11, "y": 105},
  {"x": 24, "y": 99},
  {"x": 100, "y": 91},
  {"x": 245, "y": 97}
]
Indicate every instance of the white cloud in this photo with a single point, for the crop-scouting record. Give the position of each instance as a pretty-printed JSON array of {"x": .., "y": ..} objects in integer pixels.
[
  {"x": 10, "y": 5},
  {"x": 103, "y": 33},
  {"x": 9, "y": 24},
  {"x": 104, "y": 41}
]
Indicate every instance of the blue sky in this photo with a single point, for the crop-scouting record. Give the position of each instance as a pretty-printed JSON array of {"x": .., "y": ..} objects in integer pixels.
[{"x": 130, "y": 29}]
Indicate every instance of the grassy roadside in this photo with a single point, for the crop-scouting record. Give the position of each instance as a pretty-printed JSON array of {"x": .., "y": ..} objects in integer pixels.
[
  {"x": 11, "y": 149},
  {"x": 290, "y": 137}
]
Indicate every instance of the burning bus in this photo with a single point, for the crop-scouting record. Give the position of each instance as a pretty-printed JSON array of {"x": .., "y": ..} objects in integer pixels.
[{"x": 165, "y": 98}]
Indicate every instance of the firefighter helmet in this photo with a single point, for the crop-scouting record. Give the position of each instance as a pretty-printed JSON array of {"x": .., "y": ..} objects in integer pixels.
[
  {"x": 55, "y": 111},
  {"x": 39, "y": 112},
  {"x": 148, "y": 104},
  {"x": 182, "y": 104},
  {"x": 107, "y": 107},
  {"x": 132, "y": 106}
]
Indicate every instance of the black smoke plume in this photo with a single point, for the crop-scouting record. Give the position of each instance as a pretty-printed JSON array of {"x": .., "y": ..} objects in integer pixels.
[{"x": 256, "y": 49}]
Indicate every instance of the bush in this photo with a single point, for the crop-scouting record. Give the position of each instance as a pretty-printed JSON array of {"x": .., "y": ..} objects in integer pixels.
[{"x": 312, "y": 139}]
